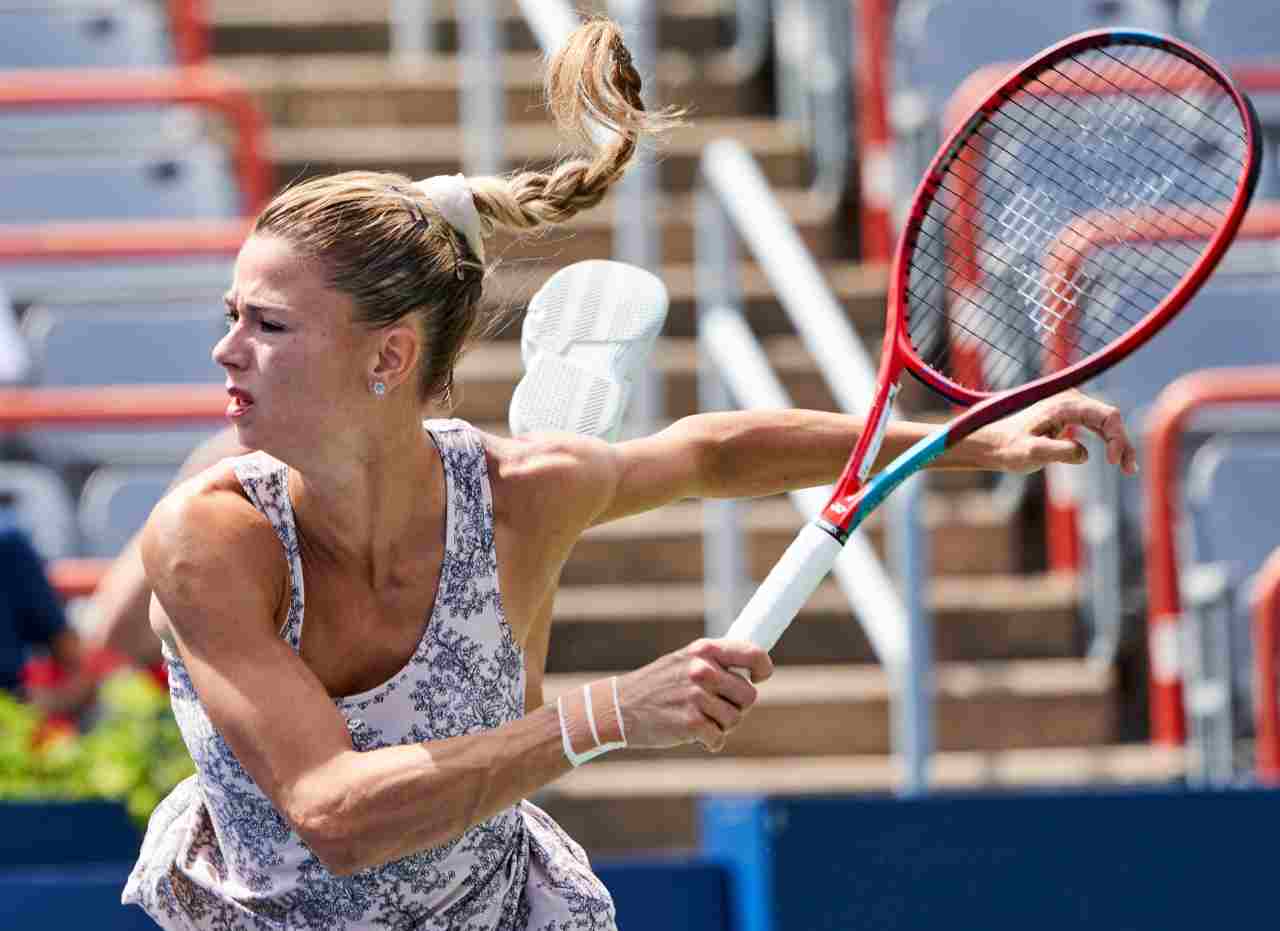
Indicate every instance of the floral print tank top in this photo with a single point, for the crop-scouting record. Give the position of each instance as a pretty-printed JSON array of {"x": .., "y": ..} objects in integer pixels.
[{"x": 217, "y": 856}]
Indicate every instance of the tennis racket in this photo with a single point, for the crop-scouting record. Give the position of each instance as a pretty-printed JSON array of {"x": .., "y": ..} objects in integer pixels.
[{"x": 1023, "y": 269}]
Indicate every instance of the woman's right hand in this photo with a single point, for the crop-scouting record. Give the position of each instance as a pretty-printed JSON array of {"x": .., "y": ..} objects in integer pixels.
[{"x": 691, "y": 695}]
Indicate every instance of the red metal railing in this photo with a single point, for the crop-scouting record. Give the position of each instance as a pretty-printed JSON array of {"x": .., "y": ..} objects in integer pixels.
[
  {"x": 193, "y": 86},
  {"x": 190, "y": 26},
  {"x": 1170, "y": 416},
  {"x": 1266, "y": 668},
  {"x": 873, "y": 30},
  {"x": 64, "y": 242}
]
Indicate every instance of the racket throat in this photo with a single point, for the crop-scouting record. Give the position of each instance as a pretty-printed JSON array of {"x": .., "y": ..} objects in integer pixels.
[
  {"x": 835, "y": 516},
  {"x": 877, "y": 436}
]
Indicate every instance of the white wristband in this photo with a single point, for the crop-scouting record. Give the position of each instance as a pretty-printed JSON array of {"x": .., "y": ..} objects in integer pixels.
[{"x": 577, "y": 759}]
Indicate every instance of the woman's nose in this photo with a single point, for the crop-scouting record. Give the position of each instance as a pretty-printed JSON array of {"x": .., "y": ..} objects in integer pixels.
[{"x": 229, "y": 350}]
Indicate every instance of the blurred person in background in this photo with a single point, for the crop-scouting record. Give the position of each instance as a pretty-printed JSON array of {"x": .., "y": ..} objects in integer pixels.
[{"x": 42, "y": 658}]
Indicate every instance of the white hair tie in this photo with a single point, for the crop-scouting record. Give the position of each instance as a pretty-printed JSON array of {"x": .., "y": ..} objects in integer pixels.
[{"x": 451, "y": 195}]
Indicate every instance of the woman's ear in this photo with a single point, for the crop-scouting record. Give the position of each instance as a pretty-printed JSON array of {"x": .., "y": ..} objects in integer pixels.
[{"x": 399, "y": 348}]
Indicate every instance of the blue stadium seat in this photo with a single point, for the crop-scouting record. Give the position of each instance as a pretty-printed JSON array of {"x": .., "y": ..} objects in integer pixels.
[
  {"x": 937, "y": 44},
  {"x": 1230, "y": 322},
  {"x": 13, "y": 351},
  {"x": 1231, "y": 524},
  {"x": 156, "y": 342},
  {"x": 42, "y": 506},
  {"x": 100, "y": 129},
  {"x": 191, "y": 182},
  {"x": 40, "y": 282},
  {"x": 1232, "y": 30},
  {"x": 104, "y": 34},
  {"x": 1234, "y": 512},
  {"x": 116, "y": 501}
]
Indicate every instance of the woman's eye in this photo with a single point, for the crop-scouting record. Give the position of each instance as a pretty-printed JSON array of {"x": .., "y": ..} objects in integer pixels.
[{"x": 270, "y": 327}]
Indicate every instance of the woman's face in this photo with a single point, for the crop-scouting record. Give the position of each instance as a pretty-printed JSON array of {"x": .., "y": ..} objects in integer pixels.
[{"x": 294, "y": 356}]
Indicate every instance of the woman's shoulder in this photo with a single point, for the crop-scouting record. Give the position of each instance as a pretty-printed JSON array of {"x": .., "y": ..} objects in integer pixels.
[
  {"x": 207, "y": 521},
  {"x": 563, "y": 473}
]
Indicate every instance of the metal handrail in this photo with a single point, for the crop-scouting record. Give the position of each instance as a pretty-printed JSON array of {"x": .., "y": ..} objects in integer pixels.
[
  {"x": 813, "y": 46},
  {"x": 413, "y": 30},
  {"x": 734, "y": 201}
]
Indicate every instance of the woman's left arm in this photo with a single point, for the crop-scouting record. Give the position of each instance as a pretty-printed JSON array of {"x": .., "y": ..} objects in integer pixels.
[{"x": 742, "y": 454}]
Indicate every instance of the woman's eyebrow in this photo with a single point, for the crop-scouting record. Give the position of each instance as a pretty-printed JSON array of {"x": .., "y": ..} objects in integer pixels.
[{"x": 229, "y": 300}]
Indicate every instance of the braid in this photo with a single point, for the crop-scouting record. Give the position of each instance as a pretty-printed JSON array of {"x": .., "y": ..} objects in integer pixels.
[{"x": 591, "y": 80}]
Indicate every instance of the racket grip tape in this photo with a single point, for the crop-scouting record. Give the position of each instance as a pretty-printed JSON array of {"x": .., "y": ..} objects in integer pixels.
[{"x": 786, "y": 588}]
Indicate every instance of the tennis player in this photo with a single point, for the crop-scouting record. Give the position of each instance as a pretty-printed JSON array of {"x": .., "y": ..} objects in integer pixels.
[{"x": 345, "y": 612}]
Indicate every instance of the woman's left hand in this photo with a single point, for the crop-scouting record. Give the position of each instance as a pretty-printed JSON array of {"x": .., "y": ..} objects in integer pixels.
[{"x": 1033, "y": 438}]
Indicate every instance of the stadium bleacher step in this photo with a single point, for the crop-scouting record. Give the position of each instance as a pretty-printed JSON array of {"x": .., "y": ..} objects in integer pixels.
[
  {"x": 421, "y": 151},
  {"x": 281, "y": 27},
  {"x": 859, "y": 287},
  {"x": 844, "y": 709},
  {"x": 634, "y": 801},
  {"x": 373, "y": 89},
  {"x": 488, "y": 374},
  {"x": 665, "y": 545},
  {"x": 602, "y": 627}
]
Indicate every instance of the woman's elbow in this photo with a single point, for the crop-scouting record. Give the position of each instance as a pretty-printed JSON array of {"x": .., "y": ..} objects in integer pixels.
[{"x": 325, "y": 834}]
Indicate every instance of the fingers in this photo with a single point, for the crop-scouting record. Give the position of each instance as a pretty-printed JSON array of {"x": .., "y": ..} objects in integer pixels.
[
  {"x": 719, "y": 717},
  {"x": 739, "y": 654},
  {"x": 715, "y": 679},
  {"x": 724, "y": 696},
  {"x": 1076, "y": 409},
  {"x": 1068, "y": 451}
]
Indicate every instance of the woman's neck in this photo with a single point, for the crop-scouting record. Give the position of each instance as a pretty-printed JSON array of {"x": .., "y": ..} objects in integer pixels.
[{"x": 368, "y": 508}]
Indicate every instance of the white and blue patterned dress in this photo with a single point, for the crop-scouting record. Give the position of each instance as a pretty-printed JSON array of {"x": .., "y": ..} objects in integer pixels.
[{"x": 218, "y": 856}]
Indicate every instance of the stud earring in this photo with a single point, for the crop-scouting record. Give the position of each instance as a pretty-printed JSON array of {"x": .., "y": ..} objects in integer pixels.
[{"x": 379, "y": 388}]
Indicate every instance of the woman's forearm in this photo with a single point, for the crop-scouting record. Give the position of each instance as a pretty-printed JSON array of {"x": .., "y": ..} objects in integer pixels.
[
  {"x": 755, "y": 453},
  {"x": 366, "y": 809}
]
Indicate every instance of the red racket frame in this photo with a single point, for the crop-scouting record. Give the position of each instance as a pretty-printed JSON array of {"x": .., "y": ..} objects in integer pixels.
[{"x": 898, "y": 353}]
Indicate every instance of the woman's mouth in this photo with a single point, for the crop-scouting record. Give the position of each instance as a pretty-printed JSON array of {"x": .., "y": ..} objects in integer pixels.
[{"x": 240, "y": 402}]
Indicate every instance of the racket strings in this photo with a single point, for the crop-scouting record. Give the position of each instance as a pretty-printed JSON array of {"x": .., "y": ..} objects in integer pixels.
[
  {"x": 1182, "y": 68},
  {"x": 1002, "y": 257},
  {"x": 1111, "y": 188},
  {"x": 1031, "y": 253},
  {"x": 1181, "y": 123},
  {"x": 997, "y": 305},
  {"x": 1143, "y": 145},
  {"x": 1138, "y": 146}
]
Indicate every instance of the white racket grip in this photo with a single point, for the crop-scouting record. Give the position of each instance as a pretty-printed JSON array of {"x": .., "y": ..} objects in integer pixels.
[{"x": 786, "y": 588}]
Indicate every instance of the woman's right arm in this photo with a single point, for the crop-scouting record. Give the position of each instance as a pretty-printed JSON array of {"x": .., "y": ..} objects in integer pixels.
[{"x": 205, "y": 551}]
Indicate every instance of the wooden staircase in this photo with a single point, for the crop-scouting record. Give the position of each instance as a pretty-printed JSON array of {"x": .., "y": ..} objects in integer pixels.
[{"x": 1015, "y": 703}]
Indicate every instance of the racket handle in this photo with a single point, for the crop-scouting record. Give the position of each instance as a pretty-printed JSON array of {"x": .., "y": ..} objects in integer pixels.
[{"x": 786, "y": 588}]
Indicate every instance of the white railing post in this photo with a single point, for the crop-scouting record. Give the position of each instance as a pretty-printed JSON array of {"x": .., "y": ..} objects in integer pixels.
[
  {"x": 483, "y": 102},
  {"x": 413, "y": 30},
  {"x": 725, "y": 574},
  {"x": 734, "y": 201},
  {"x": 637, "y": 230},
  {"x": 908, "y": 544}
]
